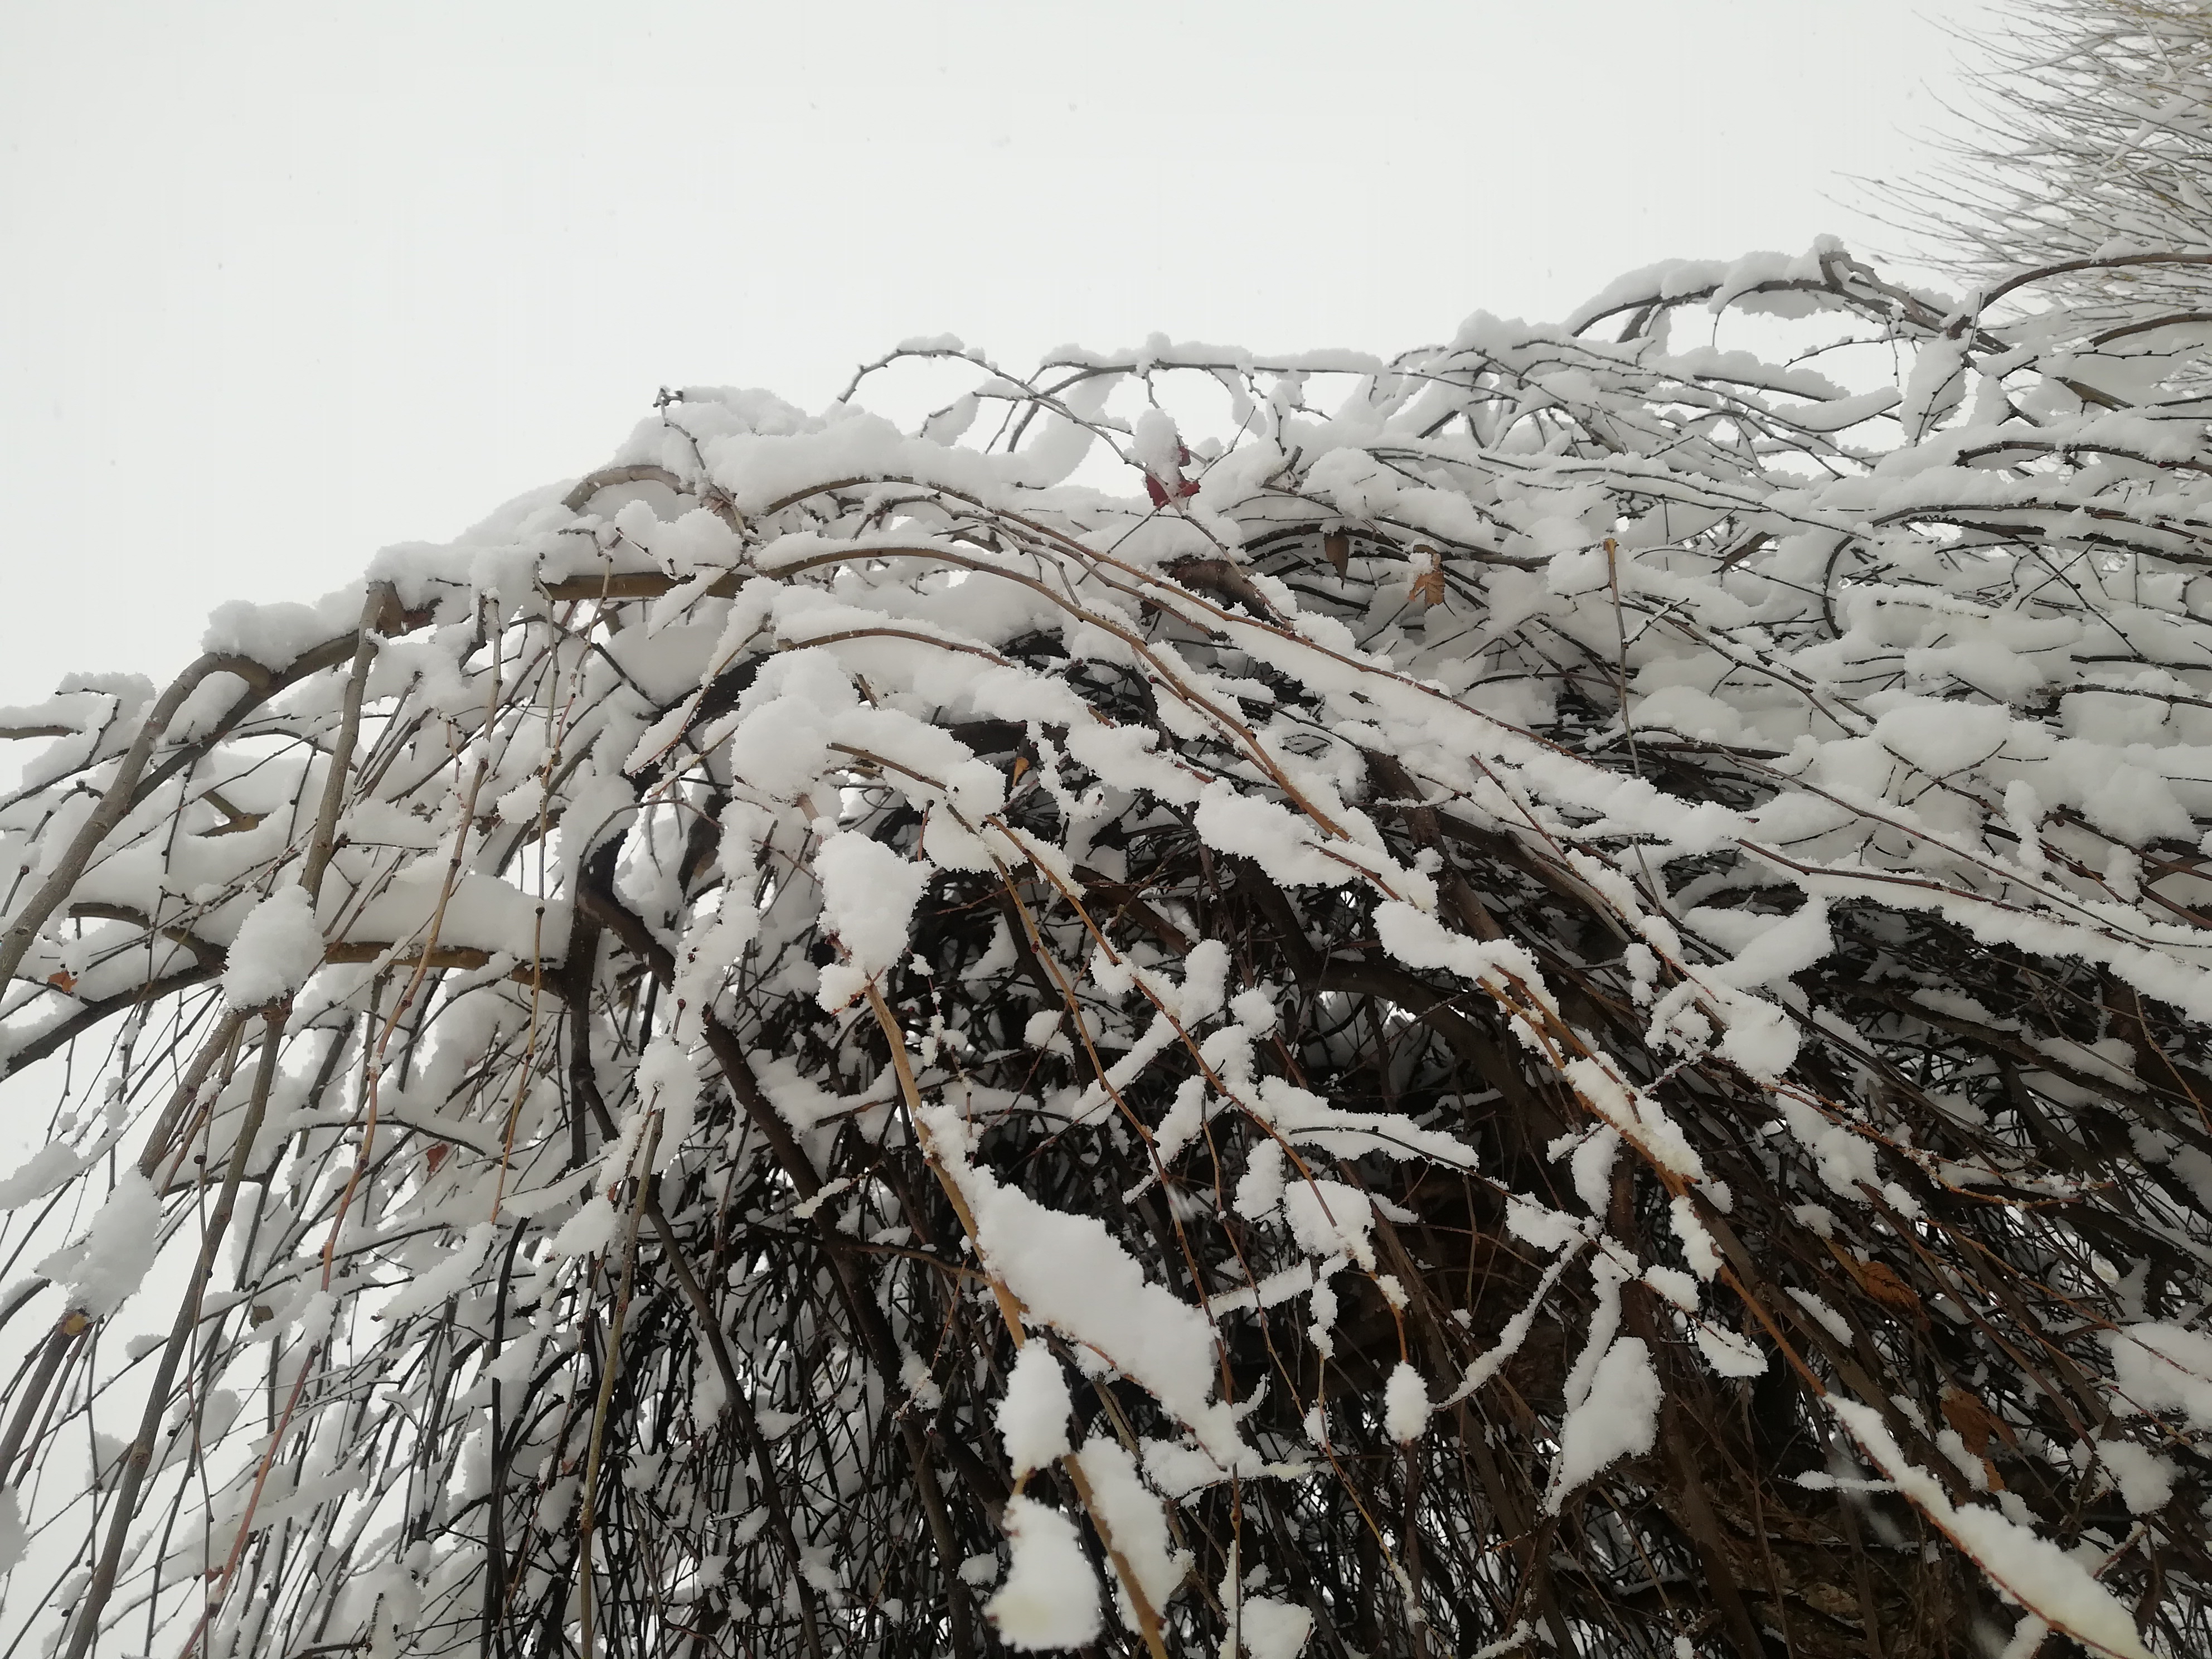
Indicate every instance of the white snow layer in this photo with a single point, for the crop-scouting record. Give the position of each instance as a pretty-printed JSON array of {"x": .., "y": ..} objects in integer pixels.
[
  {"x": 1137, "y": 1525},
  {"x": 1069, "y": 1273},
  {"x": 668, "y": 1083},
  {"x": 1270, "y": 1628},
  {"x": 278, "y": 945},
  {"x": 1406, "y": 1404},
  {"x": 2164, "y": 1367},
  {"x": 1618, "y": 1418},
  {"x": 868, "y": 895},
  {"x": 1033, "y": 1416},
  {"x": 1050, "y": 1595},
  {"x": 111, "y": 1261}
]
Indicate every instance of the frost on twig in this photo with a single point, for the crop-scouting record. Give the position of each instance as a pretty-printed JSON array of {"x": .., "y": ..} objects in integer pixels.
[{"x": 1555, "y": 988}]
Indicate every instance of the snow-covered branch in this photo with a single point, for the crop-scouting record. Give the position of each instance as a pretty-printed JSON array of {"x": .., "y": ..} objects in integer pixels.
[{"x": 1550, "y": 991}]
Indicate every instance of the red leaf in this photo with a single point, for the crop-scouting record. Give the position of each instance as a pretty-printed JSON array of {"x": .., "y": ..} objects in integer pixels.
[{"x": 1156, "y": 490}]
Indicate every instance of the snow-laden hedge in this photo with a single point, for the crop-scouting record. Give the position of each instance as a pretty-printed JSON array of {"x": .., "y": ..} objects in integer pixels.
[{"x": 1555, "y": 999}]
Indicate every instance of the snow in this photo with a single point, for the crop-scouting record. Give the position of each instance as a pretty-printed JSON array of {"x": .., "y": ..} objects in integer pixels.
[
  {"x": 276, "y": 636},
  {"x": 868, "y": 895},
  {"x": 1831, "y": 1320},
  {"x": 1405, "y": 1404},
  {"x": 1155, "y": 442},
  {"x": 1697, "y": 1243},
  {"x": 1548, "y": 1231},
  {"x": 105, "y": 1266},
  {"x": 1050, "y": 1598},
  {"x": 1267, "y": 1627},
  {"x": 1070, "y": 1274},
  {"x": 278, "y": 945},
  {"x": 47, "y": 1170},
  {"x": 2164, "y": 1367},
  {"x": 1777, "y": 948},
  {"x": 1619, "y": 1418},
  {"x": 1176, "y": 1470},
  {"x": 1033, "y": 1414},
  {"x": 1591, "y": 1166},
  {"x": 1487, "y": 1365},
  {"x": 1727, "y": 1353},
  {"x": 1517, "y": 1637},
  {"x": 1284, "y": 844},
  {"x": 668, "y": 1082},
  {"x": 1419, "y": 940},
  {"x": 1259, "y": 1188},
  {"x": 589, "y": 1231},
  {"x": 453, "y": 1272},
  {"x": 1328, "y": 1218},
  {"x": 1134, "y": 1518},
  {"x": 2144, "y": 1478}
]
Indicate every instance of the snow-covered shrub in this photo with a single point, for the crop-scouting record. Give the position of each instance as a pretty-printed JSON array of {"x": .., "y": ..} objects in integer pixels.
[{"x": 1547, "y": 994}]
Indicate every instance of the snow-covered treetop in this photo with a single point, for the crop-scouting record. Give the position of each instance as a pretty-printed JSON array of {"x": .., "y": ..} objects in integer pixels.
[
  {"x": 2086, "y": 138},
  {"x": 1556, "y": 990}
]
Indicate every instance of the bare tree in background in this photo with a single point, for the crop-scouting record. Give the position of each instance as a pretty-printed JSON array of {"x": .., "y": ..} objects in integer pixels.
[
  {"x": 1548, "y": 995},
  {"x": 2089, "y": 137}
]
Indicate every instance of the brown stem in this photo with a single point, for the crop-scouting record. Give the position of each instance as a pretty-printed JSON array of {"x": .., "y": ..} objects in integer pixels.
[{"x": 67, "y": 1329}]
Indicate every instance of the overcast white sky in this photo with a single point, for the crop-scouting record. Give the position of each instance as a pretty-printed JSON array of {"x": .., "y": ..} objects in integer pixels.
[{"x": 285, "y": 283}]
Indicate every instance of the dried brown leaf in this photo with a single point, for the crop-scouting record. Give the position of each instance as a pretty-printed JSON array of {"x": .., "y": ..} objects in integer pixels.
[{"x": 1429, "y": 577}]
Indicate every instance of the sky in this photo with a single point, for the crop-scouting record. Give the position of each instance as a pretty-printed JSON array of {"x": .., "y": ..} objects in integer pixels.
[{"x": 286, "y": 283}]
